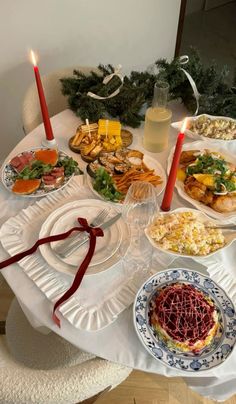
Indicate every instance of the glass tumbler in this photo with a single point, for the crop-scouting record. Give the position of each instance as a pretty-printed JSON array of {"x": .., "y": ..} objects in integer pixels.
[
  {"x": 139, "y": 207},
  {"x": 140, "y": 204}
]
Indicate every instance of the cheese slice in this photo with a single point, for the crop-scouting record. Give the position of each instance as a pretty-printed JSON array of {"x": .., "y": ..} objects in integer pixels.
[{"x": 109, "y": 128}]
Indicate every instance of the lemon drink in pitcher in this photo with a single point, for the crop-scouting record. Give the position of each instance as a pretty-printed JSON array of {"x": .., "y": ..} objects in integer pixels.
[{"x": 157, "y": 120}]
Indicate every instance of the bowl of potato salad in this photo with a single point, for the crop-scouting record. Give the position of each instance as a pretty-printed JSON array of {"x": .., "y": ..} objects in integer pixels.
[
  {"x": 188, "y": 233},
  {"x": 210, "y": 127}
]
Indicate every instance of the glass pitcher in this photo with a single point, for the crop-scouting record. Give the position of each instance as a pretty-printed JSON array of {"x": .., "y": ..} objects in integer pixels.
[{"x": 157, "y": 120}]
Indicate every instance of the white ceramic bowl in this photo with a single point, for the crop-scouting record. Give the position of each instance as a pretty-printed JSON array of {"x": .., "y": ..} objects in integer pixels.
[
  {"x": 196, "y": 136},
  {"x": 229, "y": 235}
]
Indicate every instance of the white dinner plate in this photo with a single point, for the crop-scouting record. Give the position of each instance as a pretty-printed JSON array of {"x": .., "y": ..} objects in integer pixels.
[
  {"x": 201, "y": 145},
  {"x": 150, "y": 163},
  {"x": 107, "y": 253},
  {"x": 106, "y": 246}
]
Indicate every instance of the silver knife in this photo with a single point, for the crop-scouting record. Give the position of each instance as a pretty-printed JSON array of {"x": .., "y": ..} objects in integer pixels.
[{"x": 103, "y": 226}]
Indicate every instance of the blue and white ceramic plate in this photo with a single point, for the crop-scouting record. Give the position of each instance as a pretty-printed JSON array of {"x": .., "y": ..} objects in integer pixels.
[
  {"x": 209, "y": 357},
  {"x": 8, "y": 177}
]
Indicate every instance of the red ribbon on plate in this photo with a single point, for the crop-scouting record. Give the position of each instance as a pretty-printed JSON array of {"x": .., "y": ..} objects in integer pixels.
[{"x": 93, "y": 232}]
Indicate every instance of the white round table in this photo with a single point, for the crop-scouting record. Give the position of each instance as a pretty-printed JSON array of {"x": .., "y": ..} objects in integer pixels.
[{"x": 118, "y": 342}]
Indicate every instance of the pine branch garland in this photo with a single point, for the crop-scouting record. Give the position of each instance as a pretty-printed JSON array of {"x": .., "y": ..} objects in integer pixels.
[{"x": 217, "y": 96}]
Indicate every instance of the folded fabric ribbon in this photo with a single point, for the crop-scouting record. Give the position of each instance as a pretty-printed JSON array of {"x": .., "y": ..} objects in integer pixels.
[
  {"x": 183, "y": 61},
  {"x": 93, "y": 232},
  {"x": 106, "y": 80}
]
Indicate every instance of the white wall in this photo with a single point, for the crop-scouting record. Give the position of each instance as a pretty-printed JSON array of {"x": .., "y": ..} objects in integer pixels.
[{"x": 70, "y": 32}]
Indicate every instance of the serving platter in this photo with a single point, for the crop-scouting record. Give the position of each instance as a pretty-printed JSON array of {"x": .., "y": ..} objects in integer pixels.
[
  {"x": 151, "y": 163},
  {"x": 227, "y": 217},
  {"x": 211, "y": 356},
  {"x": 108, "y": 247},
  {"x": 8, "y": 174},
  {"x": 196, "y": 136},
  {"x": 229, "y": 235}
]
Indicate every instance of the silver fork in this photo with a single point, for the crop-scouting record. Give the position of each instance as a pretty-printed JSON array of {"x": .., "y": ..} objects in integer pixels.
[
  {"x": 68, "y": 246},
  {"x": 222, "y": 226}
]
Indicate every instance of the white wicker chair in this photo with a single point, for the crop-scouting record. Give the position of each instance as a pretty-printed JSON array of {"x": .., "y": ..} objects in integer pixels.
[
  {"x": 45, "y": 369},
  {"x": 56, "y": 102}
]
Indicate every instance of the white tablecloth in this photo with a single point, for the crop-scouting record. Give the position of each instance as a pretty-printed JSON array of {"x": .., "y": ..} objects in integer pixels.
[{"x": 117, "y": 342}]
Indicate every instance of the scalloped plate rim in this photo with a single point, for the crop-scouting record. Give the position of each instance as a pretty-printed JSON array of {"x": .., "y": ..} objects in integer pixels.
[{"x": 197, "y": 257}]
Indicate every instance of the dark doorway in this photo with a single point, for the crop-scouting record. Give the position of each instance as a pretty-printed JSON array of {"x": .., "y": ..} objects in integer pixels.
[{"x": 209, "y": 26}]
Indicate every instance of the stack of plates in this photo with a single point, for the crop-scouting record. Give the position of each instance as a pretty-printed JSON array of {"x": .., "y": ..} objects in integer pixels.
[{"x": 108, "y": 248}]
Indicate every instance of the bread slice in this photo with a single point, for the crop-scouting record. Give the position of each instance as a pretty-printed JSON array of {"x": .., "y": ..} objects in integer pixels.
[
  {"x": 77, "y": 139},
  {"x": 88, "y": 148},
  {"x": 25, "y": 187},
  {"x": 54, "y": 183},
  {"x": 47, "y": 156},
  {"x": 97, "y": 149}
]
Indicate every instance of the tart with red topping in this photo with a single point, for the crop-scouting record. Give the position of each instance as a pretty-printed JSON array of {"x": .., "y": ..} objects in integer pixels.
[{"x": 184, "y": 317}]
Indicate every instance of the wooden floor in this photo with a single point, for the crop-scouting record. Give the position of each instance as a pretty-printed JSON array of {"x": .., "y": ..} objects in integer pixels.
[
  {"x": 149, "y": 389},
  {"x": 6, "y": 297},
  {"x": 140, "y": 387}
]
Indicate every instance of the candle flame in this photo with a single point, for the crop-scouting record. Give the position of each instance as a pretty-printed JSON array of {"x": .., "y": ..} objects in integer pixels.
[
  {"x": 33, "y": 58},
  {"x": 184, "y": 125}
]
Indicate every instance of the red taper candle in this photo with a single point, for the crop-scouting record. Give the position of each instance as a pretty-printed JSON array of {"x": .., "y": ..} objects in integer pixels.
[
  {"x": 167, "y": 199},
  {"x": 42, "y": 100}
]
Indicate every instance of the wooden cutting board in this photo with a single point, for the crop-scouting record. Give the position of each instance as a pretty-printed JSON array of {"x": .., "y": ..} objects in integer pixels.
[{"x": 126, "y": 136}]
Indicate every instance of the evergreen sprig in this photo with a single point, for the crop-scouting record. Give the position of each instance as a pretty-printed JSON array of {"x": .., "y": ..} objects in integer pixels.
[{"x": 217, "y": 96}]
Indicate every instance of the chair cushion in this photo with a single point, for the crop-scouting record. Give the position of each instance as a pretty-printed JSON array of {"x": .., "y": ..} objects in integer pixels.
[
  {"x": 36, "y": 350},
  {"x": 73, "y": 384}
]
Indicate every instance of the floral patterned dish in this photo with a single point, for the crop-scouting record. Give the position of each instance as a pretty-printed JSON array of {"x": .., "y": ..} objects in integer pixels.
[
  {"x": 8, "y": 177},
  {"x": 212, "y": 355}
]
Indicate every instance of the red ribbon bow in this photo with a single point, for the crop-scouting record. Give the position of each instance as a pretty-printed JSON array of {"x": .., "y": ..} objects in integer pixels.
[{"x": 93, "y": 232}]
